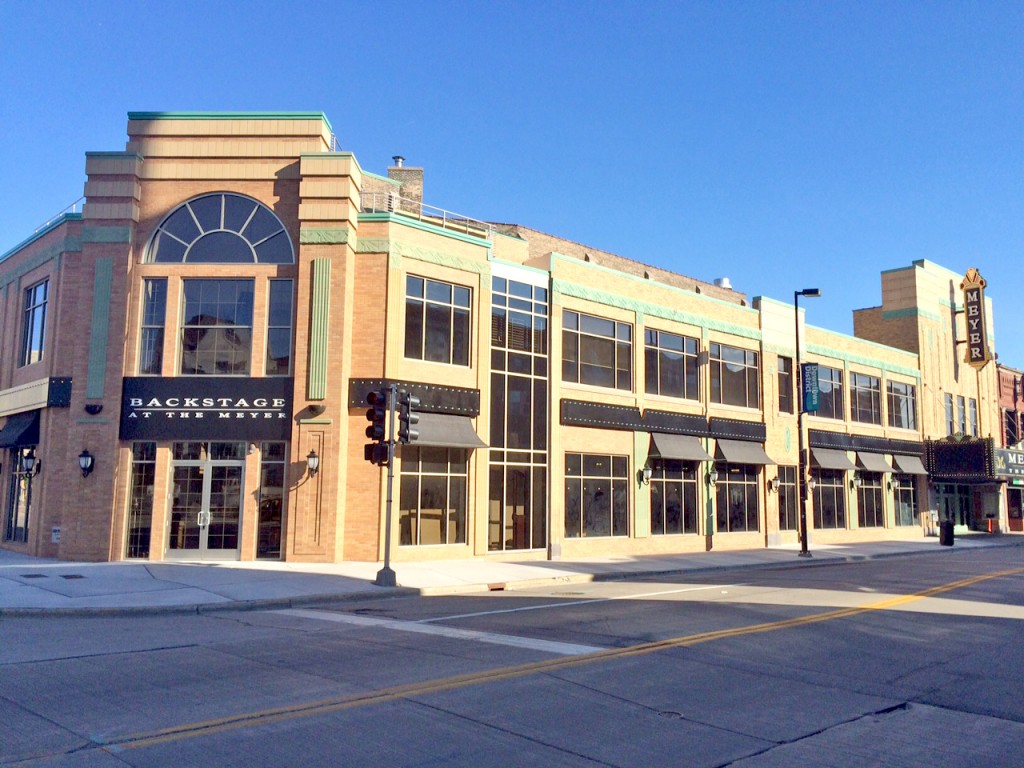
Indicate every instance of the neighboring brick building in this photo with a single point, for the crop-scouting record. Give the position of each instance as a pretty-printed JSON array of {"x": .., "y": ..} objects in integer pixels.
[{"x": 206, "y": 330}]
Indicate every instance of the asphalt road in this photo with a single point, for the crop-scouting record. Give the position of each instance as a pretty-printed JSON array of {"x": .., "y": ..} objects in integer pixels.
[{"x": 900, "y": 662}]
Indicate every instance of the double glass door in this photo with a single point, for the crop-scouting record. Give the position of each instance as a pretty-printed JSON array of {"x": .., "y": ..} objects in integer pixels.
[{"x": 206, "y": 501}]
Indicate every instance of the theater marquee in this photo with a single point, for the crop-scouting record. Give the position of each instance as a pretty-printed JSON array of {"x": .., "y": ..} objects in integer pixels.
[
  {"x": 973, "y": 285},
  {"x": 206, "y": 408}
]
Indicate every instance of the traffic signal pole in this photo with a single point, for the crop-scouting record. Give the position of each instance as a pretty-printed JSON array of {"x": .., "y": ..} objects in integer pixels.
[{"x": 385, "y": 576}]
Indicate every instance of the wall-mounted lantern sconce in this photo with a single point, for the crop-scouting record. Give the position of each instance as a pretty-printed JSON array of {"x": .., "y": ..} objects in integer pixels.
[
  {"x": 643, "y": 476},
  {"x": 888, "y": 484},
  {"x": 252, "y": 449},
  {"x": 773, "y": 485},
  {"x": 812, "y": 484},
  {"x": 316, "y": 409},
  {"x": 312, "y": 462},
  {"x": 30, "y": 465},
  {"x": 85, "y": 462},
  {"x": 856, "y": 482},
  {"x": 93, "y": 408},
  {"x": 713, "y": 478}
]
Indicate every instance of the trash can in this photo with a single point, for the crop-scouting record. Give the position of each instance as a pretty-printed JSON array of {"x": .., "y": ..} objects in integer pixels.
[{"x": 946, "y": 533}]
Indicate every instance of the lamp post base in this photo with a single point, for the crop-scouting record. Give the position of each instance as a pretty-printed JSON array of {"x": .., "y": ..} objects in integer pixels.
[
  {"x": 386, "y": 578},
  {"x": 801, "y": 553}
]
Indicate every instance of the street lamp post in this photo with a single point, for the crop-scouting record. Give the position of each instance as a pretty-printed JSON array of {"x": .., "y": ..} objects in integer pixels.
[{"x": 810, "y": 293}]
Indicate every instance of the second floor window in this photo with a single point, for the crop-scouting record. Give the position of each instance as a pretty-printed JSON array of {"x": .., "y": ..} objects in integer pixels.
[
  {"x": 734, "y": 376},
  {"x": 154, "y": 312},
  {"x": 972, "y": 417},
  {"x": 437, "y": 321},
  {"x": 831, "y": 404},
  {"x": 597, "y": 351},
  {"x": 963, "y": 414},
  {"x": 216, "y": 333},
  {"x": 35, "y": 323},
  {"x": 950, "y": 415},
  {"x": 865, "y": 398},
  {"x": 279, "y": 328},
  {"x": 785, "y": 384},
  {"x": 902, "y": 404},
  {"x": 670, "y": 365}
]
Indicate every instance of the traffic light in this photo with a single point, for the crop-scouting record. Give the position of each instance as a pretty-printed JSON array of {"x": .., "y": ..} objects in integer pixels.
[
  {"x": 377, "y": 415},
  {"x": 407, "y": 417},
  {"x": 377, "y": 453}
]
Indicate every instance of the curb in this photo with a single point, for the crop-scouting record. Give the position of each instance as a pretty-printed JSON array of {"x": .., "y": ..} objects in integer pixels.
[{"x": 378, "y": 593}]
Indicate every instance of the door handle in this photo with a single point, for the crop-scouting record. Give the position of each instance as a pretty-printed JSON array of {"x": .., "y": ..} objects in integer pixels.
[{"x": 203, "y": 519}]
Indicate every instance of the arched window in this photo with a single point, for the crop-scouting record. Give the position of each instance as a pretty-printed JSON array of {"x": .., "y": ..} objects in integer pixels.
[{"x": 221, "y": 228}]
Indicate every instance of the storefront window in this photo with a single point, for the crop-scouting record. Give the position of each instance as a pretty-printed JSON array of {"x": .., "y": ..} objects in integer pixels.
[
  {"x": 736, "y": 497},
  {"x": 271, "y": 499},
  {"x": 870, "y": 512},
  {"x": 829, "y": 499},
  {"x": 19, "y": 499},
  {"x": 788, "y": 499},
  {"x": 432, "y": 498},
  {"x": 674, "y": 498},
  {"x": 906, "y": 499},
  {"x": 140, "y": 500},
  {"x": 596, "y": 495}
]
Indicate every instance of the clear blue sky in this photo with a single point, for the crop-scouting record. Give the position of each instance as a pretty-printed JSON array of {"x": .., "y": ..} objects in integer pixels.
[{"x": 782, "y": 144}]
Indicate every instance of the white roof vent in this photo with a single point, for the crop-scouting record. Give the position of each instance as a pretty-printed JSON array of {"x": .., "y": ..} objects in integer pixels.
[{"x": 723, "y": 282}]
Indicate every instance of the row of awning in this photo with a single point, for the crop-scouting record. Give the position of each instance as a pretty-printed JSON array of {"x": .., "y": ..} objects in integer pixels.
[
  {"x": 688, "y": 448},
  {"x": 830, "y": 458}
]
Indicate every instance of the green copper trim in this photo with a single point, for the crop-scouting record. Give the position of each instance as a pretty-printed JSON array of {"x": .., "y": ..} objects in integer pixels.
[
  {"x": 870, "y": 362},
  {"x": 48, "y": 228},
  {"x": 53, "y": 253},
  {"x": 654, "y": 310},
  {"x": 378, "y": 177},
  {"x": 319, "y": 319},
  {"x": 897, "y": 314},
  {"x": 397, "y": 218},
  {"x": 106, "y": 235},
  {"x": 323, "y": 236},
  {"x": 398, "y": 250},
  {"x": 99, "y": 329},
  {"x": 230, "y": 116}
]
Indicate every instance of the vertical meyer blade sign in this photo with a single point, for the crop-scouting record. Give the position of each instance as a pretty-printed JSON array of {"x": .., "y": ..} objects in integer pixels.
[{"x": 978, "y": 354}]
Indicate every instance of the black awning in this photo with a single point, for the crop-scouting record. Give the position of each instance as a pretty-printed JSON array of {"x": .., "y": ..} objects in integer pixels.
[
  {"x": 829, "y": 458},
  {"x": 741, "y": 452},
  {"x": 909, "y": 465},
  {"x": 677, "y": 447},
  {"x": 873, "y": 462},
  {"x": 447, "y": 431},
  {"x": 20, "y": 429}
]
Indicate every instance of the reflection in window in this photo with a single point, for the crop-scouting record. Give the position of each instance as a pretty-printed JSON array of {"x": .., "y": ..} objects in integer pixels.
[
  {"x": 829, "y": 499},
  {"x": 216, "y": 334},
  {"x": 437, "y": 319},
  {"x": 902, "y": 404},
  {"x": 736, "y": 497},
  {"x": 831, "y": 403},
  {"x": 785, "y": 384},
  {"x": 597, "y": 351},
  {"x": 670, "y": 365},
  {"x": 432, "y": 499},
  {"x": 789, "y": 496},
  {"x": 154, "y": 310},
  {"x": 19, "y": 498},
  {"x": 906, "y": 499},
  {"x": 221, "y": 229},
  {"x": 140, "y": 500},
  {"x": 271, "y": 499},
  {"x": 735, "y": 379},
  {"x": 674, "y": 498},
  {"x": 279, "y": 328},
  {"x": 870, "y": 512},
  {"x": 865, "y": 398},
  {"x": 596, "y": 495},
  {"x": 34, "y": 329}
]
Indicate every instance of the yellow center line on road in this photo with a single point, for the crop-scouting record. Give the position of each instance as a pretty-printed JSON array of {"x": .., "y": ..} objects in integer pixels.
[{"x": 267, "y": 716}]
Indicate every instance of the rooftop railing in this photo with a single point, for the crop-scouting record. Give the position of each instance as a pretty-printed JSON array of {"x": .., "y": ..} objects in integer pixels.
[
  {"x": 75, "y": 207},
  {"x": 386, "y": 202}
]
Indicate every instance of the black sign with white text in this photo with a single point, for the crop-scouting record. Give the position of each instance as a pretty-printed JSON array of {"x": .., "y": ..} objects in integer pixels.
[{"x": 206, "y": 408}]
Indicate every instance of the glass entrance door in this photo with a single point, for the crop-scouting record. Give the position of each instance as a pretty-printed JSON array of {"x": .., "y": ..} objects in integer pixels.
[{"x": 206, "y": 504}]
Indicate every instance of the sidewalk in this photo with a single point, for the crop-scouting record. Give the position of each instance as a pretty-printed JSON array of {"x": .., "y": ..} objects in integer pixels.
[{"x": 32, "y": 586}]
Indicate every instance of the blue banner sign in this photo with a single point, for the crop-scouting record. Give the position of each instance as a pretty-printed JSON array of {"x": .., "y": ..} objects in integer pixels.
[{"x": 809, "y": 387}]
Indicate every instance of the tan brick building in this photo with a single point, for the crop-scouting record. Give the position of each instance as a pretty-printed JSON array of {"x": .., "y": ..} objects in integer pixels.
[{"x": 187, "y": 360}]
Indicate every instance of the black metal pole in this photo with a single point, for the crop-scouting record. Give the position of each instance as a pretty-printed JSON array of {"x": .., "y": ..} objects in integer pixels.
[
  {"x": 801, "y": 462},
  {"x": 385, "y": 576}
]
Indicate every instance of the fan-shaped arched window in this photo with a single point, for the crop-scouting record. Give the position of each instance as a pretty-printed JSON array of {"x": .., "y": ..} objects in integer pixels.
[{"x": 221, "y": 228}]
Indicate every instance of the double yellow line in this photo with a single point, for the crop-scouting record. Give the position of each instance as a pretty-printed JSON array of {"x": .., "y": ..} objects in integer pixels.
[{"x": 209, "y": 727}]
